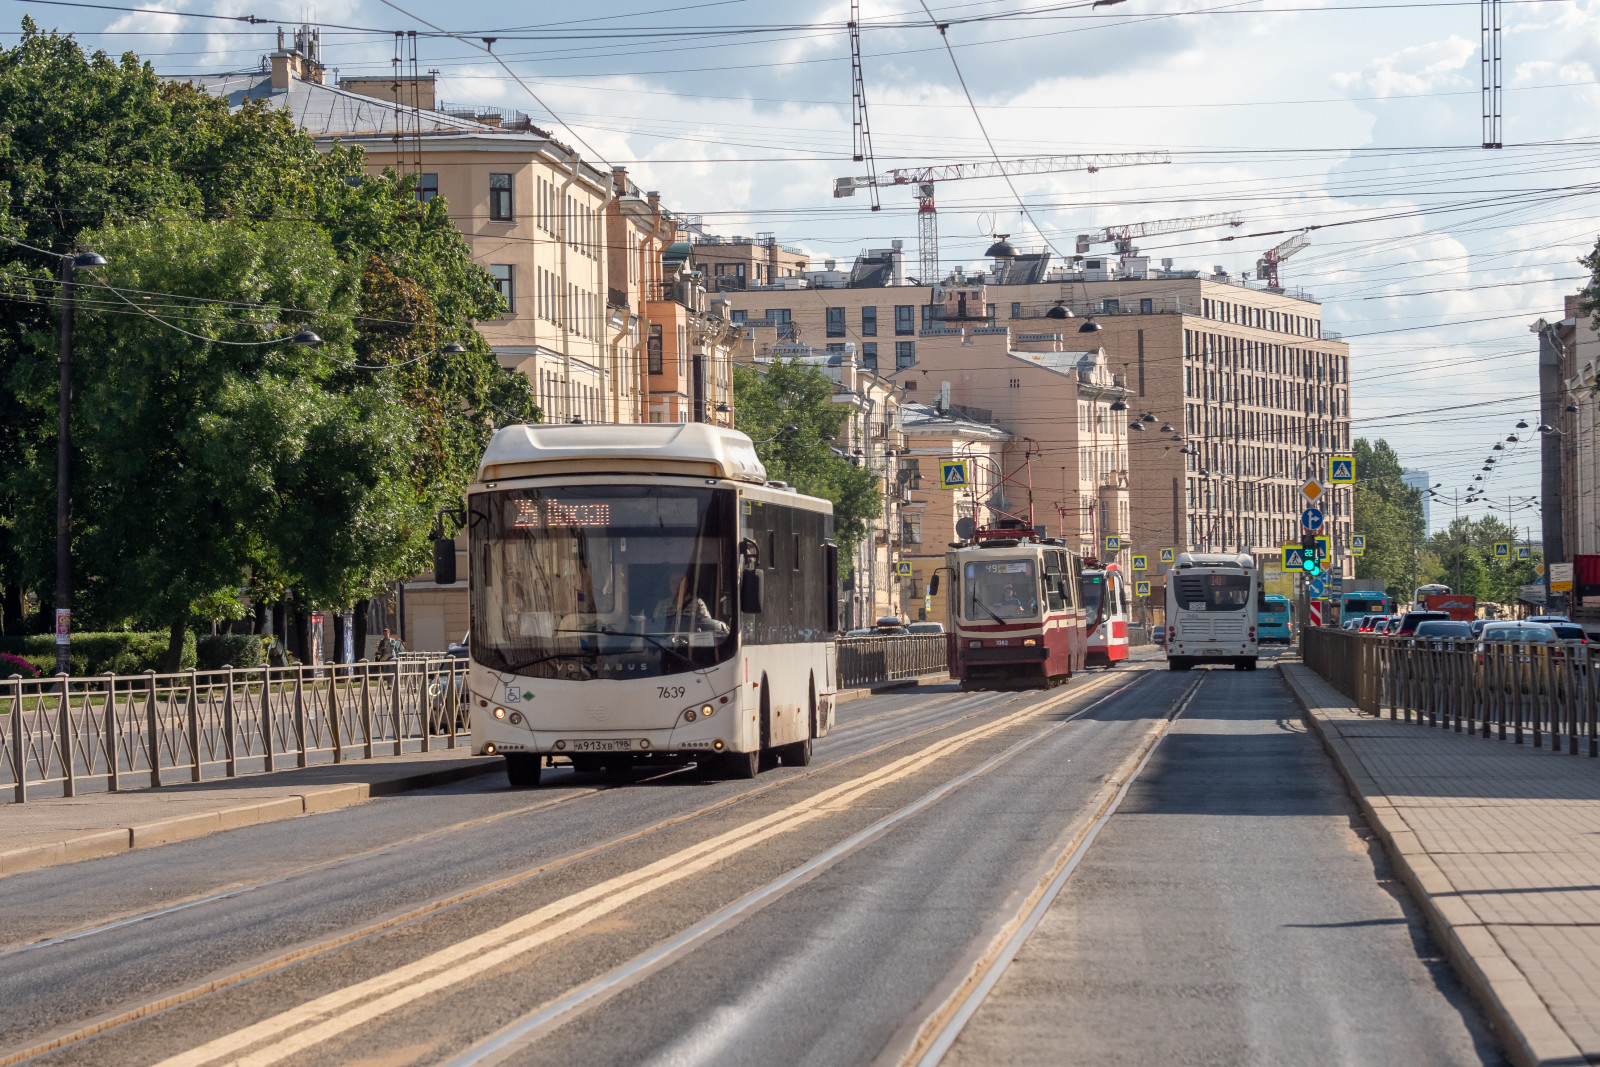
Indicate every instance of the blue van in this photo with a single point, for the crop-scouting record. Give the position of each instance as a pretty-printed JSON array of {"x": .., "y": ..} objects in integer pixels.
[{"x": 1272, "y": 623}]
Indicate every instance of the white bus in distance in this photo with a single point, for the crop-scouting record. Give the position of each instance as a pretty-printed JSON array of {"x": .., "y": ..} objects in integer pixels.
[
  {"x": 1212, "y": 605},
  {"x": 644, "y": 594}
]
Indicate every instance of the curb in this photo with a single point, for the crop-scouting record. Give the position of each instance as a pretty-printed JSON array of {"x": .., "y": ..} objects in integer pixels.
[
  {"x": 1529, "y": 1034},
  {"x": 187, "y": 827},
  {"x": 844, "y": 696}
]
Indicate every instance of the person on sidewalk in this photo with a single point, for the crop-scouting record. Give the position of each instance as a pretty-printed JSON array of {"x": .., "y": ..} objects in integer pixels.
[{"x": 390, "y": 646}]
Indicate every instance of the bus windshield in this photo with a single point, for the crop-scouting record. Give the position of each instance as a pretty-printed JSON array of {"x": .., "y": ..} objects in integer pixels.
[
  {"x": 1213, "y": 592},
  {"x": 602, "y": 581},
  {"x": 1001, "y": 589}
]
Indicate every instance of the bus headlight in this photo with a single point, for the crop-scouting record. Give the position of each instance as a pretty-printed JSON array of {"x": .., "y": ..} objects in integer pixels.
[
  {"x": 499, "y": 713},
  {"x": 707, "y": 710},
  {"x": 689, "y": 716},
  {"x": 516, "y": 718}
]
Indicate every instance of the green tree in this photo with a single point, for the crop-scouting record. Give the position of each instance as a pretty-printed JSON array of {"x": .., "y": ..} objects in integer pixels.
[
  {"x": 1389, "y": 513},
  {"x": 788, "y": 411},
  {"x": 1467, "y": 562},
  {"x": 104, "y": 152}
]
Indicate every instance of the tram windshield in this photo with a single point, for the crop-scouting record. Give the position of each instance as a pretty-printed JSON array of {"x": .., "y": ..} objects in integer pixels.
[
  {"x": 1093, "y": 589},
  {"x": 1000, "y": 590},
  {"x": 602, "y": 581}
]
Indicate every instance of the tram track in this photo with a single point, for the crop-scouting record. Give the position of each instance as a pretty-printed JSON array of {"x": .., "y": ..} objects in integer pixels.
[{"x": 971, "y": 706}]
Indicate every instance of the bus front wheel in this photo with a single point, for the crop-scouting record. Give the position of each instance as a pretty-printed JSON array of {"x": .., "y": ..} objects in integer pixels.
[
  {"x": 739, "y": 766},
  {"x": 522, "y": 770}
]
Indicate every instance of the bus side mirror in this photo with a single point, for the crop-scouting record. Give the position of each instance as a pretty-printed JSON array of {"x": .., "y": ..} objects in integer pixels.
[
  {"x": 933, "y": 586},
  {"x": 444, "y": 561},
  {"x": 752, "y": 583}
]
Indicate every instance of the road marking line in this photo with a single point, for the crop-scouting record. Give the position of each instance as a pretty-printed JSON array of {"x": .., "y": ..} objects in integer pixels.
[
  {"x": 113, "y": 1020},
  {"x": 943, "y": 1026},
  {"x": 497, "y": 1047},
  {"x": 327, "y": 1016}
]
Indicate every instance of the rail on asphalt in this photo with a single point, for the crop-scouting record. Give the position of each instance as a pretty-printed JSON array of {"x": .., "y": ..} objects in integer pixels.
[
  {"x": 60, "y": 734},
  {"x": 1523, "y": 692}
]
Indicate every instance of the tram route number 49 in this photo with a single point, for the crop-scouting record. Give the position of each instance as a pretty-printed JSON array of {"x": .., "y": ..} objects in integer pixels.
[{"x": 669, "y": 692}]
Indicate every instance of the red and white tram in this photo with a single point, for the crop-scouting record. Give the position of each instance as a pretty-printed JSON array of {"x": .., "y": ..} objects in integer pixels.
[
  {"x": 1016, "y": 618},
  {"x": 1104, "y": 591}
]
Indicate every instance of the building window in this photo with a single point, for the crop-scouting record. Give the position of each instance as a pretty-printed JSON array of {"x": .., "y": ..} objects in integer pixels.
[
  {"x": 905, "y": 354},
  {"x": 905, "y": 320},
  {"x": 836, "y": 322},
  {"x": 869, "y": 322},
  {"x": 778, "y": 316},
  {"x": 653, "y": 347},
  {"x": 427, "y": 187},
  {"x": 501, "y": 273},
  {"x": 1147, "y": 306},
  {"x": 869, "y": 355},
  {"x": 1016, "y": 309},
  {"x": 500, "y": 197},
  {"x": 737, "y": 316}
]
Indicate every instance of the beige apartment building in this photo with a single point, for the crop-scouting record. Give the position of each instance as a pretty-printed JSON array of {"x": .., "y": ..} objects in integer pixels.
[
  {"x": 1238, "y": 394},
  {"x": 730, "y": 264},
  {"x": 1579, "y": 440}
]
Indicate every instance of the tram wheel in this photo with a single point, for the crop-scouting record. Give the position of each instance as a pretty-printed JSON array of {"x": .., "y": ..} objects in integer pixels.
[{"x": 522, "y": 770}]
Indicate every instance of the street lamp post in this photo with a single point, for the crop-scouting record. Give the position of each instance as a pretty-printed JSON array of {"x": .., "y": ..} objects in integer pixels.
[{"x": 69, "y": 264}]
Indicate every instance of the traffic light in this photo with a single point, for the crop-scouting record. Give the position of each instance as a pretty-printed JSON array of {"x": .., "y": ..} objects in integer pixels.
[{"x": 1308, "y": 555}]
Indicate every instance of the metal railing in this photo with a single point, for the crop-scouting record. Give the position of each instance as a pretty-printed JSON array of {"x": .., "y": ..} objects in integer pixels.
[
  {"x": 865, "y": 661},
  {"x": 62, "y": 735},
  {"x": 1527, "y": 692},
  {"x": 118, "y": 732}
]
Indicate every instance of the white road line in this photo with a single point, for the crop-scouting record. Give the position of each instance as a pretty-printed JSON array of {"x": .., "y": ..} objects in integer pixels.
[
  {"x": 498, "y": 1047},
  {"x": 1033, "y": 916}
]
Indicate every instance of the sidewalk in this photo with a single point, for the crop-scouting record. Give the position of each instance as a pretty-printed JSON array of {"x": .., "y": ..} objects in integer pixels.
[
  {"x": 1500, "y": 845},
  {"x": 42, "y": 833}
]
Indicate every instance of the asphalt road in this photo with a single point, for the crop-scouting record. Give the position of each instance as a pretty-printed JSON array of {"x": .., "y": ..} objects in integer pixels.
[{"x": 824, "y": 915}]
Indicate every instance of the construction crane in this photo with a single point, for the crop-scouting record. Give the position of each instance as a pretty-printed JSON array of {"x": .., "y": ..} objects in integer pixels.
[
  {"x": 925, "y": 177},
  {"x": 860, "y": 128},
  {"x": 1267, "y": 265},
  {"x": 1124, "y": 235}
]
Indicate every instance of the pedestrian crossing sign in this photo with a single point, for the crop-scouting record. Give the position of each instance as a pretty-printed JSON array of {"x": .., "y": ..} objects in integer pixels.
[
  {"x": 1524, "y": 553},
  {"x": 1341, "y": 470},
  {"x": 1502, "y": 550},
  {"x": 1166, "y": 555},
  {"x": 1141, "y": 588},
  {"x": 1113, "y": 544},
  {"x": 1294, "y": 558},
  {"x": 1141, "y": 563},
  {"x": 903, "y": 570},
  {"x": 1358, "y": 544},
  {"x": 953, "y": 475},
  {"x": 1322, "y": 548}
]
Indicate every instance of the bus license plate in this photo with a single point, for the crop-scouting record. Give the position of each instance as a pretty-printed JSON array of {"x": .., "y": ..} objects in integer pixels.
[{"x": 623, "y": 745}]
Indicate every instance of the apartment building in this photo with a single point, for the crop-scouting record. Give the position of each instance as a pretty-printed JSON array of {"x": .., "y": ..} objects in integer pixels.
[
  {"x": 1573, "y": 396},
  {"x": 734, "y": 263},
  {"x": 1236, "y": 395}
]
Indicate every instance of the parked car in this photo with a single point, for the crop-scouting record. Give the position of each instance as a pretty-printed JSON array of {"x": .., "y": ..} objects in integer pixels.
[
  {"x": 1437, "y": 631},
  {"x": 1158, "y": 636},
  {"x": 862, "y": 633},
  {"x": 1478, "y": 625},
  {"x": 890, "y": 625},
  {"x": 1547, "y": 618},
  {"x": 1369, "y": 623},
  {"x": 925, "y": 628}
]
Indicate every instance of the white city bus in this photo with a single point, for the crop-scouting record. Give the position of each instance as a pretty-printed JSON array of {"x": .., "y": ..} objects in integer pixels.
[
  {"x": 1212, "y": 606},
  {"x": 643, "y": 593}
]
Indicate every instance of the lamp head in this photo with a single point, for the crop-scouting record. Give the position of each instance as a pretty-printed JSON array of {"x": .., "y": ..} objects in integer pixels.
[
  {"x": 87, "y": 260},
  {"x": 306, "y": 339}
]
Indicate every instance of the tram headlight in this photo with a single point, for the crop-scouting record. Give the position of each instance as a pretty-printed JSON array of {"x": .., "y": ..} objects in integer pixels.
[{"x": 1028, "y": 642}]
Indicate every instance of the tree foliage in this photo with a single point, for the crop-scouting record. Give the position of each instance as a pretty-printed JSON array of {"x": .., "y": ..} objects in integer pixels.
[
  {"x": 1389, "y": 513},
  {"x": 788, "y": 411},
  {"x": 203, "y": 466},
  {"x": 1466, "y": 561}
]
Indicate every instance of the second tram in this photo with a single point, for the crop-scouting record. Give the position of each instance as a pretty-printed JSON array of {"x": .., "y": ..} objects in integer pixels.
[
  {"x": 1105, "y": 604},
  {"x": 1016, "y": 617},
  {"x": 1212, "y": 606}
]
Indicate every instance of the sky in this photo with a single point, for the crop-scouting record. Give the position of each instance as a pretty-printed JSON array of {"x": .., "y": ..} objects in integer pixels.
[{"x": 1432, "y": 255}]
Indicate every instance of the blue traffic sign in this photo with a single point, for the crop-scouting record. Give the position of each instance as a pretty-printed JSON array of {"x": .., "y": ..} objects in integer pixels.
[
  {"x": 1311, "y": 518},
  {"x": 1316, "y": 587}
]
